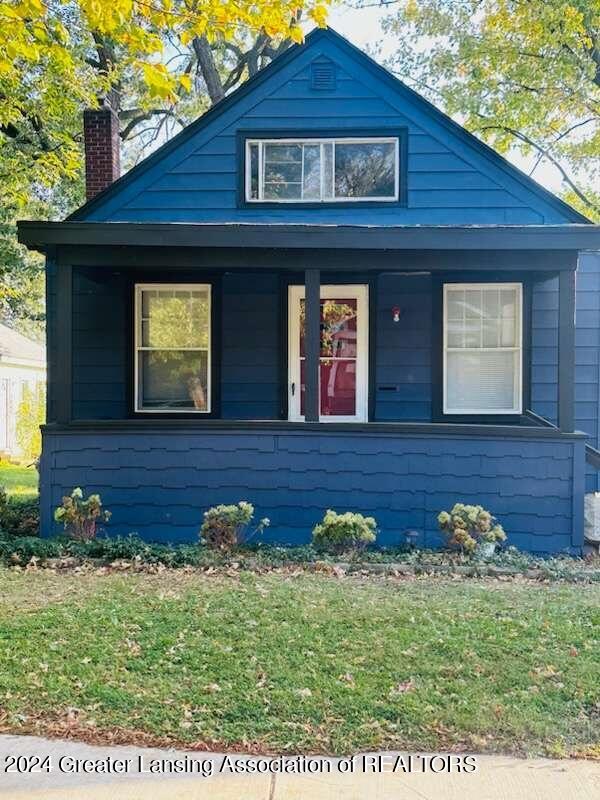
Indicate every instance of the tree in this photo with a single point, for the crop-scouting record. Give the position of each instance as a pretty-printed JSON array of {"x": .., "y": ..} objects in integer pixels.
[
  {"x": 158, "y": 64},
  {"x": 61, "y": 55},
  {"x": 31, "y": 413},
  {"x": 518, "y": 73},
  {"x": 215, "y": 69}
]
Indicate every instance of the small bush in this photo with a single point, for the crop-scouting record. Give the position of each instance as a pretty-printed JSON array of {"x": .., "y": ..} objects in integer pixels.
[
  {"x": 225, "y": 527},
  {"x": 22, "y": 549},
  {"x": 468, "y": 526},
  {"x": 342, "y": 532},
  {"x": 31, "y": 413},
  {"x": 19, "y": 516},
  {"x": 80, "y": 517}
]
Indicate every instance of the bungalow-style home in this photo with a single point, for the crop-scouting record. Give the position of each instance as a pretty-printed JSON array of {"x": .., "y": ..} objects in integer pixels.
[
  {"x": 22, "y": 364},
  {"x": 324, "y": 293}
]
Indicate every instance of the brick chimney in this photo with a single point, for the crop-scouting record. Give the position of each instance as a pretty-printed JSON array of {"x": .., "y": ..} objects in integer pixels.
[{"x": 102, "y": 149}]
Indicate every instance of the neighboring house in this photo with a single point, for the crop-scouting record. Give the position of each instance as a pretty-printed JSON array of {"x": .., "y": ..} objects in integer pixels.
[
  {"x": 435, "y": 281},
  {"x": 22, "y": 363}
]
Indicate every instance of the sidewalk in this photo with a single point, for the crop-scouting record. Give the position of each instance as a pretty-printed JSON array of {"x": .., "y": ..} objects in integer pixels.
[{"x": 496, "y": 778}]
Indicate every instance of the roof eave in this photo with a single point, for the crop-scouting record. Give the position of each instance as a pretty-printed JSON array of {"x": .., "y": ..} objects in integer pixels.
[{"x": 45, "y": 235}]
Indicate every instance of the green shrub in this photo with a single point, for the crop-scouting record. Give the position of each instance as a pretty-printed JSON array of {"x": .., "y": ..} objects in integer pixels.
[
  {"x": 31, "y": 413},
  {"x": 80, "y": 517},
  {"x": 342, "y": 532},
  {"x": 19, "y": 516},
  {"x": 22, "y": 549},
  {"x": 468, "y": 526},
  {"x": 225, "y": 527}
]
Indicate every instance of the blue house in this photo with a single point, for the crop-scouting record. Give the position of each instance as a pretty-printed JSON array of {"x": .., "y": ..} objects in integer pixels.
[{"x": 324, "y": 293}]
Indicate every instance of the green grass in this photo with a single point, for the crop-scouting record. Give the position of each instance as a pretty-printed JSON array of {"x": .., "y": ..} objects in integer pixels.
[
  {"x": 312, "y": 663},
  {"x": 19, "y": 481}
]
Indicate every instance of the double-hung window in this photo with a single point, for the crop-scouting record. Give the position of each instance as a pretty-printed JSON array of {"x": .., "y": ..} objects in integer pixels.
[
  {"x": 321, "y": 170},
  {"x": 483, "y": 348},
  {"x": 172, "y": 348}
]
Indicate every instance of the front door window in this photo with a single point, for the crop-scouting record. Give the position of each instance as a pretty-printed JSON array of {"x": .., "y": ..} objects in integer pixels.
[{"x": 343, "y": 354}]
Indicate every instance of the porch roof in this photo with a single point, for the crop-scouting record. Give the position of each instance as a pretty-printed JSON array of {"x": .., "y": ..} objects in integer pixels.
[{"x": 573, "y": 237}]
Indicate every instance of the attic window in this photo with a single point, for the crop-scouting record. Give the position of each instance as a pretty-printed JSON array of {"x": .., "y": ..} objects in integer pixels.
[
  {"x": 322, "y": 76},
  {"x": 322, "y": 170}
]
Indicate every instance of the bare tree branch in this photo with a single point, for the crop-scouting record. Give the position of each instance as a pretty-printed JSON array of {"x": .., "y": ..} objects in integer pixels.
[
  {"x": 208, "y": 68},
  {"x": 545, "y": 153},
  {"x": 136, "y": 116}
]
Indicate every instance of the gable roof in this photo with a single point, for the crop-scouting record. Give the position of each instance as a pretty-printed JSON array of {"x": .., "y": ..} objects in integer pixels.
[
  {"x": 381, "y": 73},
  {"x": 15, "y": 346}
]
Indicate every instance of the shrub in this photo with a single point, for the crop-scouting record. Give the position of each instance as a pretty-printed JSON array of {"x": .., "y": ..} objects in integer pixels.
[
  {"x": 468, "y": 526},
  {"x": 225, "y": 527},
  {"x": 31, "y": 413},
  {"x": 80, "y": 517},
  {"x": 341, "y": 532},
  {"x": 19, "y": 516},
  {"x": 22, "y": 549}
]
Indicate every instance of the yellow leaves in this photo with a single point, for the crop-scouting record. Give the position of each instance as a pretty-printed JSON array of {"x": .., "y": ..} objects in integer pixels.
[
  {"x": 26, "y": 9},
  {"x": 108, "y": 17},
  {"x": 186, "y": 82},
  {"x": 46, "y": 75},
  {"x": 319, "y": 14},
  {"x": 296, "y": 34},
  {"x": 411, "y": 9},
  {"x": 160, "y": 83}
]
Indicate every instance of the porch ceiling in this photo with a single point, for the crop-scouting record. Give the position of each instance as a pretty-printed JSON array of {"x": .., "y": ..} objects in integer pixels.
[{"x": 299, "y": 237}]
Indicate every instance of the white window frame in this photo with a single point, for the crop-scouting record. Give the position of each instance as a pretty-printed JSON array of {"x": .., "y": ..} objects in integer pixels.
[
  {"x": 517, "y": 407},
  {"x": 139, "y": 348},
  {"x": 395, "y": 140},
  {"x": 359, "y": 292}
]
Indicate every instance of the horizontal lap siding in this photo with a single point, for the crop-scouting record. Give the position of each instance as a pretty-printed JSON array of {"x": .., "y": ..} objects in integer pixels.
[
  {"x": 403, "y": 360},
  {"x": 544, "y": 349},
  {"x": 51, "y": 355},
  {"x": 544, "y": 371},
  {"x": 158, "y": 485},
  {"x": 448, "y": 182},
  {"x": 250, "y": 347},
  {"x": 587, "y": 367},
  {"x": 100, "y": 345}
]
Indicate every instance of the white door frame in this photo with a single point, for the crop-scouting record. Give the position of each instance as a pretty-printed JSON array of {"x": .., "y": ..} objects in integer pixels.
[{"x": 359, "y": 292}]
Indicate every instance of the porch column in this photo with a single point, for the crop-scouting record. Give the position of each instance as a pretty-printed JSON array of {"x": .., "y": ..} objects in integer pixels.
[
  {"x": 312, "y": 337},
  {"x": 63, "y": 348},
  {"x": 566, "y": 351}
]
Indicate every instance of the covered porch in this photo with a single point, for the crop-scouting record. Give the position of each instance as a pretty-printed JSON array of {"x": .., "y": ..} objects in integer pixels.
[{"x": 407, "y": 457}]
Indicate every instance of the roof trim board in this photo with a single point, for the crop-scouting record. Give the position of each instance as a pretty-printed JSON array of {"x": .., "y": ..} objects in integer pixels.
[{"x": 574, "y": 237}]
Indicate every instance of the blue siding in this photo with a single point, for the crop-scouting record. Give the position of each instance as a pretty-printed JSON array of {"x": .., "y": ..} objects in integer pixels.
[
  {"x": 159, "y": 484},
  {"x": 403, "y": 357},
  {"x": 50, "y": 335},
  {"x": 250, "y": 347},
  {"x": 544, "y": 377},
  {"x": 544, "y": 349},
  {"x": 450, "y": 179},
  {"x": 100, "y": 345},
  {"x": 587, "y": 356}
]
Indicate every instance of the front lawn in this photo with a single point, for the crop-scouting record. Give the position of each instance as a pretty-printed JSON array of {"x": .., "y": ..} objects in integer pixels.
[
  {"x": 19, "y": 481},
  {"x": 301, "y": 662}
]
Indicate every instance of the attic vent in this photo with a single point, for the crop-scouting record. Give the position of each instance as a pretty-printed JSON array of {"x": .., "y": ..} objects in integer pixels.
[{"x": 322, "y": 76}]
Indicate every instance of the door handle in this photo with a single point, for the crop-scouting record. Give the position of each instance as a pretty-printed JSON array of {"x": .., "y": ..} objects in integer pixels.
[{"x": 293, "y": 389}]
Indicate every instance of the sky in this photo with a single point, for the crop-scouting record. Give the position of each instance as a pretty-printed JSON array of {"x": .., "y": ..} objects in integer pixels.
[{"x": 363, "y": 28}]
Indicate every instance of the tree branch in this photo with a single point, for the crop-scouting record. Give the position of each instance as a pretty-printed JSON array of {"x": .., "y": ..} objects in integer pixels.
[
  {"x": 208, "y": 68},
  {"x": 545, "y": 153},
  {"x": 136, "y": 116}
]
